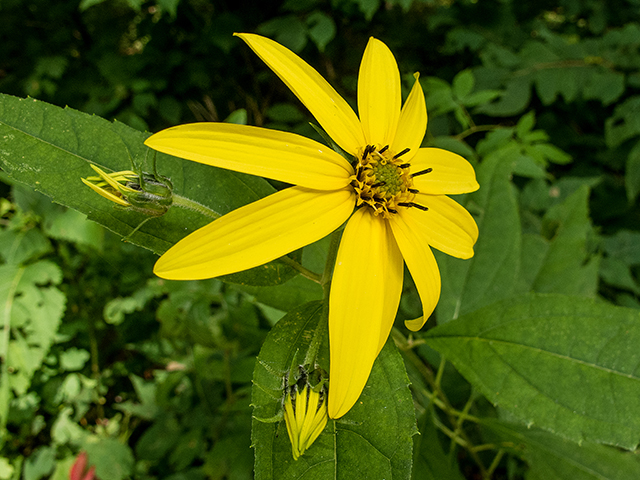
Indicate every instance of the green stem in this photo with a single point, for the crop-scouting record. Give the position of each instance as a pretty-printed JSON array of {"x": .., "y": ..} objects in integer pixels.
[
  {"x": 331, "y": 261},
  {"x": 184, "y": 202},
  {"x": 323, "y": 324},
  {"x": 305, "y": 272},
  {"x": 474, "y": 129}
]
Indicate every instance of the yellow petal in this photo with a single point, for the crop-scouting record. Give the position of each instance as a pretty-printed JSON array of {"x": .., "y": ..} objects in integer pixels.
[
  {"x": 451, "y": 174},
  {"x": 420, "y": 262},
  {"x": 332, "y": 112},
  {"x": 257, "y": 233},
  {"x": 446, "y": 225},
  {"x": 365, "y": 293},
  {"x": 415, "y": 324},
  {"x": 106, "y": 194},
  {"x": 258, "y": 151},
  {"x": 413, "y": 122},
  {"x": 379, "y": 94}
]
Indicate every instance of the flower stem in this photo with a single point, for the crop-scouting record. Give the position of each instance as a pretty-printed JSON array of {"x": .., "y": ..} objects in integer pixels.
[
  {"x": 331, "y": 261},
  {"x": 184, "y": 202},
  {"x": 305, "y": 272}
]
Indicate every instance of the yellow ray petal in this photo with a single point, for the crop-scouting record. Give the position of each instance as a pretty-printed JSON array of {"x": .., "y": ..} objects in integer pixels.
[
  {"x": 256, "y": 233},
  {"x": 420, "y": 262},
  {"x": 446, "y": 225},
  {"x": 365, "y": 293},
  {"x": 379, "y": 94},
  {"x": 106, "y": 194},
  {"x": 451, "y": 174},
  {"x": 332, "y": 112},
  {"x": 267, "y": 153},
  {"x": 412, "y": 124}
]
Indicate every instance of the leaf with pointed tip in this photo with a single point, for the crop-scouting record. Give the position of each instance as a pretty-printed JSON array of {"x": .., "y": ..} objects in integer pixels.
[
  {"x": 569, "y": 365},
  {"x": 51, "y": 149}
]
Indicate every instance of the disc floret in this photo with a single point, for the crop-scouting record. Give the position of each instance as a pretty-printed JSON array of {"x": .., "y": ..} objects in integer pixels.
[{"x": 383, "y": 181}]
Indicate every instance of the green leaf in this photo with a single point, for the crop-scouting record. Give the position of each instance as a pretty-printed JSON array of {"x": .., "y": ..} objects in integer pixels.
[
  {"x": 632, "y": 173},
  {"x": 290, "y": 31},
  {"x": 113, "y": 460},
  {"x": 514, "y": 99},
  {"x": 567, "y": 266},
  {"x": 73, "y": 359},
  {"x": 463, "y": 83},
  {"x": 618, "y": 274},
  {"x": 51, "y": 148},
  {"x": 624, "y": 123},
  {"x": 40, "y": 464},
  {"x": 322, "y": 29},
  {"x": 372, "y": 441},
  {"x": 566, "y": 364},
  {"x": 492, "y": 272},
  {"x": 33, "y": 307},
  {"x": 625, "y": 246},
  {"x": 431, "y": 461},
  {"x": 368, "y": 7},
  {"x": 553, "y": 458}
]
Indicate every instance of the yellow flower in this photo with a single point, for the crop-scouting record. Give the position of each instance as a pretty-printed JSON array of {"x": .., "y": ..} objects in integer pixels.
[
  {"x": 111, "y": 186},
  {"x": 305, "y": 414},
  {"x": 148, "y": 194},
  {"x": 396, "y": 188}
]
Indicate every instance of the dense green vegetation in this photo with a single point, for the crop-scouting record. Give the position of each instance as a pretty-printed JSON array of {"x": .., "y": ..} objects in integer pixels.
[{"x": 153, "y": 378}]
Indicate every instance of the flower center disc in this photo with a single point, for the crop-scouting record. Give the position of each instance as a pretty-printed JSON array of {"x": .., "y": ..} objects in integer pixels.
[{"x": 382, "y": 181}]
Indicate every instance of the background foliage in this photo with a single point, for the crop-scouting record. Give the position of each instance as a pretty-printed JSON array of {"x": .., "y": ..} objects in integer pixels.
[{"x": 153, "y": 378}]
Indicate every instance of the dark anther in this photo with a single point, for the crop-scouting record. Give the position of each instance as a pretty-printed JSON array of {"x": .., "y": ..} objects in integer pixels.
[
  {"x": 399, "y": 154},
  {"x": 391, "y": 210},
  {"x": 367, "y": 150},
  {"x": 379, "y": 184},
  {"x": 422, "y": 172},
  {"x": 405, "y": 165},
  {"x": 413, "y": 190},
  {"x": 383, "y": 149},
  {"x": 411, "y": 204}
]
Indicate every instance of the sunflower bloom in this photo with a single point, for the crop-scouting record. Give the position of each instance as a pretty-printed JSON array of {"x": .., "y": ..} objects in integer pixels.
[{"x": 393, "y": 195}]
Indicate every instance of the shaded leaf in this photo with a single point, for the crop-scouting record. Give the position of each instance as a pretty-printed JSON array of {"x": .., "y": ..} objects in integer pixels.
[
  {"x": 542, "y": 357},
  {"x": 492, "y": 272},
  {"x": 372, "y": 441},
  {"x": 553, "y": 458}
]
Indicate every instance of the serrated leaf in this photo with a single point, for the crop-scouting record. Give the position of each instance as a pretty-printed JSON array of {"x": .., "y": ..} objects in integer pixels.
[
  {"x": 553, "y": 458},
  {"x": 373, "y": 440},
  {"x": 51, "y": 148},
  {"x": 566, "y": 364},
  {"x": 492, "y": 272},
  {"x": 567, "y": 267}
]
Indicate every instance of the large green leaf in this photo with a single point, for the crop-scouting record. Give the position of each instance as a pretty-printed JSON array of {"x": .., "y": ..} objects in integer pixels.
[
  {"x": 50, "y": 149},
  {"x": 431, "y": 461},
  {"x": 492, "y": 272},
  {"x": 553, "y": 458},
  {"x": 372, "y": 441},
  {"x": 559, "y": 262},
  {"x": 567, "y": 364}
]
